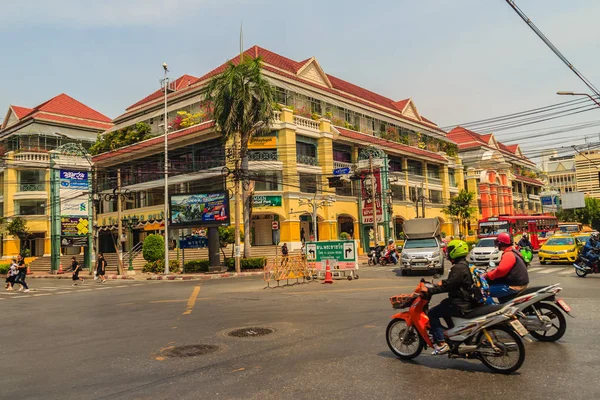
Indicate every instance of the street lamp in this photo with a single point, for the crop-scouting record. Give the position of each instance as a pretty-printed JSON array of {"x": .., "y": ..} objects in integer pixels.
[
  {"x": 130, "y": 222},
  {"x": 564, "y": 93},
  {"x": 166, "y": 206},
  {"x": 315, "y": 204}
]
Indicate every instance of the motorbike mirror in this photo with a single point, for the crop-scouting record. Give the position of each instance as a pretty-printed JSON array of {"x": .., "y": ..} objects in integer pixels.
[{"x": 492, "y": 264}]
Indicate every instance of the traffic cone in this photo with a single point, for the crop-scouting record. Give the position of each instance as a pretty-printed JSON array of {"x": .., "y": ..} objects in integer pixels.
[
  {"x": 60, "y": 270},
  {"x": 28, "y": 270},
  {"x": 328, "y": 276}
]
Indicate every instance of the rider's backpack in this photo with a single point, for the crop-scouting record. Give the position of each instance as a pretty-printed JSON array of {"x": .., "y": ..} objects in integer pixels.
[{"x": 480, "y": 291}]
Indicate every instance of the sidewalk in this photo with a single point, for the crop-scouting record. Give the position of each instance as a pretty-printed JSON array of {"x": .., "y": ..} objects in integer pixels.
[{"x": 153, "y": 277}]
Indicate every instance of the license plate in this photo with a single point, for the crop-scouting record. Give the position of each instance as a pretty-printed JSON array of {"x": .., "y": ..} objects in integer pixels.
[
  {"x": 555, "y": 257},
  {"x": 563, "y": 305},
  {"x": 518, "y": 326}
]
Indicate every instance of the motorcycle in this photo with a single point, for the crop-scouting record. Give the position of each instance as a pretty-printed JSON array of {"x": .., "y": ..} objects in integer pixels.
[
  {"x": 583, "y": 266},
  {"x": 540, "y": 311},
  {"x": 388, "y": 259},
  {"x": 491, "y": 333},
  {"x": 527, "y": 254},
  {"x": 375, "y": 255}
]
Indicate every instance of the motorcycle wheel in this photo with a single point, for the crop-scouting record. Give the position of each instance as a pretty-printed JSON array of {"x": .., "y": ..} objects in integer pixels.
[
  {"x": 580, "y": 273},
  {"x": 370, "y": 262},
  {"x": 383, "y": 262},
  {"x": 394, "y": 333},
  {"x": 508, "y": 341},
  {"x": 559, "y": 322}
]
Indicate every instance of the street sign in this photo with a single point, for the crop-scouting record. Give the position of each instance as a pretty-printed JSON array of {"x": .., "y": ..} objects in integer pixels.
[
  {"x": 275, "y": 225},
  {"x": 342, "y": 251},
  {"x": 266, "y": 201},
  {"x": 341, "y": 171}
]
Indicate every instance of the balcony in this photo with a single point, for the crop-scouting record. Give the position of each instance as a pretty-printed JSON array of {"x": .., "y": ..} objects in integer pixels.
[
  {"x": 32, "y": 187},
  {"x": 341, "y": 164},
  {"x": 32, "y": 159},
  {"x": 306, "y": 123},
  {"x": 262, "y": 155},
  {"x": 306, "y": 160}
]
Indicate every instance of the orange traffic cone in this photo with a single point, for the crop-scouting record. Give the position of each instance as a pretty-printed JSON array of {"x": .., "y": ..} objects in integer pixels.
[
  {"x": 328, "y": 276},
  {"x": 60, "y": 270},
  {"x": 28, "y": 270}
]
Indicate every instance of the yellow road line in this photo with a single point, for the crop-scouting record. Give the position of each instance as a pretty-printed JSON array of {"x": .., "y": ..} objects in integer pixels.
[
  {"x": 166, "y": 301},
  {"x": 192, "y": 301}
]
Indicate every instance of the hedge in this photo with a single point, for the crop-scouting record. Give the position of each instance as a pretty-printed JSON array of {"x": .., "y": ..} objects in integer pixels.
[
  {"x": 196, "y": 266},
  {"x": 4, "y": 269},
  {"x": 158, "y": 267},
  {"x": 247, "y": 263}
]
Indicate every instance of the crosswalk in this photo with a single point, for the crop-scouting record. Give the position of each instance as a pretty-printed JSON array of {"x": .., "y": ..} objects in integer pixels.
[
  {"x": 560, "y": 271},
  {"x": 59, "y": 290}
]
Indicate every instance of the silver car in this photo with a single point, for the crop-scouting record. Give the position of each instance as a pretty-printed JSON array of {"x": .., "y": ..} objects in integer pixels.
[
  {"x": 484, "y": 251},
  {"x": 425, "y": 254}
]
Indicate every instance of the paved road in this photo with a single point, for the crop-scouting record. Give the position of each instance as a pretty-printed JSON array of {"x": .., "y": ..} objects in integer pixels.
[{"x": 328, "y": 343}]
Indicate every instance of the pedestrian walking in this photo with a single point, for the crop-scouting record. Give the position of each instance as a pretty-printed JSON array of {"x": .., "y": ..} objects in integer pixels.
[
  {"x": 11, "y": 275},
  {"x": 302, "y": 239},
  {"x": 75, "y": 267},
  {"x": 284, "y": 254},
  {"x": 101, "y": 268},
  {"x": 22, "y": 273}
]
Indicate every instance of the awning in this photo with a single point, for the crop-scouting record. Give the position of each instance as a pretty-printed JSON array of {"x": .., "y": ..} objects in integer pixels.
[{"x": 155, "y": 226}]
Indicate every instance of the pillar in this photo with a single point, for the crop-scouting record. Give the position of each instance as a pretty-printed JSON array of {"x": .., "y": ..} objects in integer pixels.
[
  {"x": 214, "y": 257},
  {"x": 286, "y": 151},
  {"x": 445, "y": 185},
  {"x": 325, "y": 154}
]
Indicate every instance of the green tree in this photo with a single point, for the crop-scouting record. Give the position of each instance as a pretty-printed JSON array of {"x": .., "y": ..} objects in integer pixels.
[
  {"x": 589, "y": 215},
  {"x": 18, "y": 228},
  {"x": 154, "y": 248},
  {"x": 460, "y": 209},
  {"x": 242, "y": 102}
]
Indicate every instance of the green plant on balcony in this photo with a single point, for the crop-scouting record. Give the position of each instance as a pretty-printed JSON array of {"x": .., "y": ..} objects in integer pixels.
[
  {"x": 329, "y": 115},
  {"x": 315, "y": 116},
  {"x": 421, "y": 140},
  {"x": 185, "y": 119},
  {"x": 338, "y": 121},
  {"x": 119, "y": 138},
  {"x": 302, "y": 112},
  {"x": 390, "y": 134}
]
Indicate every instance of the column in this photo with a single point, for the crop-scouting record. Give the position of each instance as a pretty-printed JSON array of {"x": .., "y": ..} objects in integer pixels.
[
  {"x": 286, "y": 151},
  {"x": 445, "y": 185},
  {"x": 325, "y": 154}
]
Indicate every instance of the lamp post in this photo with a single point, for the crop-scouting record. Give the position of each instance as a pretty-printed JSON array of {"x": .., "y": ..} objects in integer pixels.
[
  {"x": 165, "y": 83},
  {"x": 315, "y": 204},
  {"x": 565, "y": 93},
  {"x": 130, "y": 222}
]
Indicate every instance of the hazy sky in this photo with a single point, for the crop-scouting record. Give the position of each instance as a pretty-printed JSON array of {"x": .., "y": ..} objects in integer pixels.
[{"x": 460, "y": 60}]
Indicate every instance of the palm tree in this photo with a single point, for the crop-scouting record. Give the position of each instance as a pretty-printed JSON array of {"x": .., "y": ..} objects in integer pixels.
[{"x": 242, "y": 101}]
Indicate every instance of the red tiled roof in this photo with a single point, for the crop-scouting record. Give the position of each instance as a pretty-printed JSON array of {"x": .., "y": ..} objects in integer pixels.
[
  {"x": 180, "y": 83},
  {"x": 528, "y": 180},
  {"x": 277, "y": 64},
  {"x": 66, "y": 105},
  {"x": 401, "y": 104},
  {"x": 428, "y": 121},
  {"x": 153, "y": 141},
  {"x": 388, "y": 144},
  {"x": 71, "y": 121},
  {"x": 21, "y": 112}
]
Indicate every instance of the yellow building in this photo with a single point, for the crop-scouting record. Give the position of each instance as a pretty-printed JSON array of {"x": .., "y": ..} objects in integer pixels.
[
  {"x": 26, "y": 137},
  {"x": 324, "y": 124}
]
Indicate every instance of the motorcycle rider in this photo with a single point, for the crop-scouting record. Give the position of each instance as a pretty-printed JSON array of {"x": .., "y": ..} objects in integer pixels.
[
  {"x": 511, "y": 275},
  {"x": 392, "y": 250},
  {"x": 524, "y": 241},
  {"x": 592, "y": 243},
  {"x": 459, "y": 301}
]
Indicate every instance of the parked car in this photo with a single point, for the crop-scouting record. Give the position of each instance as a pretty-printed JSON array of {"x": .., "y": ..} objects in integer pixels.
[
  {"x": 560, "y": 249},
  {"x": 484, "y": 251}
]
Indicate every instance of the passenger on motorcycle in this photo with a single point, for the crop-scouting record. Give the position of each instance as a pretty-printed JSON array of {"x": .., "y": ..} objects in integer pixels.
[
  {"x": 524, "y": 242},
  {"x": 392, "y": 250},
  {"x": 511, "y": 275},
  {"x": 459, "y": 301},
  {"x": 592, "y": 243}
]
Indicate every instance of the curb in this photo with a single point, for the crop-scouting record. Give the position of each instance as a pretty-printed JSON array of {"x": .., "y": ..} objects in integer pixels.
[{"x": 202, "y": 277}]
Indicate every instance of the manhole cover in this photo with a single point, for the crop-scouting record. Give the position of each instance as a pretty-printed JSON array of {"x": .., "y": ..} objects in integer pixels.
[
  {"x": 251, "y": 332},
  {"x": 190, "y": 350}
]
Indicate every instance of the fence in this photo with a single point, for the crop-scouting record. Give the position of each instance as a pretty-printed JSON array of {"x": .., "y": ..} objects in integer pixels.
[{"x": 281, "y": 268}]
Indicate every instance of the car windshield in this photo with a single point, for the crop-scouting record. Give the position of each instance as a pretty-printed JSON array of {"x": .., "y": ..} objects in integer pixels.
[
  {"x": 583, "y": 239},
  {"x": 569, "y": 228},
  {"x": 492, "y": 228},
  {"x": 560, "y": 242},
  {"x": 420, "y": 243},
  {"x": 486, "y": 243}
]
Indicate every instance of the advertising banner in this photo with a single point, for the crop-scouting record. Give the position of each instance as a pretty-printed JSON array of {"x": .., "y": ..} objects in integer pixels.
[
  {"x": 367, "y": 204},
  {"x": 262, "y": 142},
  {"x": 74, "y": 193},
  {"x": 74, "y": 241},
  {"x": 200, "y": 209},
  {"x": 70, "y": 226}
]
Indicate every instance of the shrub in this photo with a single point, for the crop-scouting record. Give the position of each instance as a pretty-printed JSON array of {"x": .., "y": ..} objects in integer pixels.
[
  {"x": 154, "y": 248},
  {"x": 196, "y": 266},
  {"x": 247, "y": 263},
  {"x": 158, "y": 267},
  {"x": 4, "y": 269},
  {"x": 344, "y": 236}
]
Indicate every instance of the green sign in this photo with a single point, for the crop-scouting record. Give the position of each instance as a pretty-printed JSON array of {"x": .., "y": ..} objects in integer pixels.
[
  {"x": 267, "y": 201},
  {"x": 343, "y": 252}
]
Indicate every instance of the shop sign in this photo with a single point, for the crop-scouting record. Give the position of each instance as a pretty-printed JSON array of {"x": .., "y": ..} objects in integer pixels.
[
  {"x": 262, "y": 142},
  {"x": 74, "y": 241},
  {"x": 193, "y": 242},
  {"x": 74, "y": 226},
  {"x": 267, "y": 201},
  {"x": 367, "y": 203}
]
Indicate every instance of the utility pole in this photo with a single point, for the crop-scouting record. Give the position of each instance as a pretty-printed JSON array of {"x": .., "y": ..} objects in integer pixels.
[
  {"x": 119, "y": 224},
  {"x": 237, "y": 192},
  {"x": 373, "y": 200},
  {"x": 422, "y": 202},
  {"x": 166, "y": 206},
  {"x": 93, "y": 222}
]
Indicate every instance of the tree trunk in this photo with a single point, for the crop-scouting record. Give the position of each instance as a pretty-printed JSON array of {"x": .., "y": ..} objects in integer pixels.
[{"x": 247, "y": 199}]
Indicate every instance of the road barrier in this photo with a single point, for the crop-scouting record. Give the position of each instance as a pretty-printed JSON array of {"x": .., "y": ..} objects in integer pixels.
[{"x": 284, "y": 268}]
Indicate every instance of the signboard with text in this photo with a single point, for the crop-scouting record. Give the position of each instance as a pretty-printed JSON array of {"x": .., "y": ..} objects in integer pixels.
[
  {"x": 70, "y": 226},
  {"x": 200, "y": 209},
  {"x": 193, "y": 242},
  {"x": 262, "y": 142},
  {"x": 367, "y": 204},
  {"x": 74, "y": 193},
  {"x": 266, "y": 201},
  {"x": 340, "y": 253}
]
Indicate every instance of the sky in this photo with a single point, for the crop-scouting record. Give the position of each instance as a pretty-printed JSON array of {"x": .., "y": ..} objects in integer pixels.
[{"x": 459, "y": 60}]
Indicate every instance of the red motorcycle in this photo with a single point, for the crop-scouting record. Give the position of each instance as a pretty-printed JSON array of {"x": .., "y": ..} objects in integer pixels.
[{"x": 388, "y": 259}]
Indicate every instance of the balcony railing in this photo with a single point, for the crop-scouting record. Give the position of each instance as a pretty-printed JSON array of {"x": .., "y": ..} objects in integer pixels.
[
  {"x": 262, "y": 155},
  {"x": 341, "y": 164},
  {"x": 32, "y": 187},
  {"x": 306, "y": 123},
  {"x": 307, "y": 160},
  {"x": 277, "y": 116},
  {"x": 32, "y": 157}
]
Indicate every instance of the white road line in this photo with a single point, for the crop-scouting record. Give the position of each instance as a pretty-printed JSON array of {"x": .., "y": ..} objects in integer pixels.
[
  {"x": 85, "y": 290},
  {"x": 120, "y": 286},
  {"x": 549, "y": 270},
  {"x": 567, "y": 272},
  {"x": 42, "y": 294},
  {"x": 62, "y": 292},
  {"x": 533, "y": 269}
]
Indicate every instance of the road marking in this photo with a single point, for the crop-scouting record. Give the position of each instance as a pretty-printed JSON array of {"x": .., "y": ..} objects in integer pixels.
[
  {"x": 166, "y": 301},
  {"x": 567, "y": 272},
  {"x": 192, "y": 301},
  {"x": 62, "y": 292},
  {"x": 42, "y": 294},
  {"x": 549, "y": 271},
  {"x": 534, "y": 269}
]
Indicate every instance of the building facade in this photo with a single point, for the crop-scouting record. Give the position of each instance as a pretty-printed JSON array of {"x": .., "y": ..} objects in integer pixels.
[
  {"x": 27, "y": 135},
  {"x": 505, "y": 181},
  {"x": 323, "y": 124},
  {"x": 561, "y": 173},
  {"x": 587, "y": 173}
]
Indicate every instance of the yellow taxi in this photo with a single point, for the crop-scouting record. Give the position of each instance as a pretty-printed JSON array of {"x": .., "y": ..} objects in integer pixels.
[{"x": 560, "y": 249}]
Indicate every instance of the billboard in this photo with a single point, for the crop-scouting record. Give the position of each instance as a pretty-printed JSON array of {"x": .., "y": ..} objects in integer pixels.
[
  {"x": 367, "y": 204},
  {"x": 199, "y": 209},
  {"x": 74, "y": 193},
  {"x": 70, "y": 226},
  {"x": 572, "y": 200}
]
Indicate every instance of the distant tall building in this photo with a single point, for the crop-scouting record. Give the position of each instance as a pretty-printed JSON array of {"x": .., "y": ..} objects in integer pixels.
[
  {"x": 561, "y": 173},
  {"x": 587, "y": 165}
]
